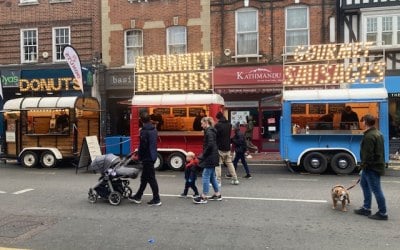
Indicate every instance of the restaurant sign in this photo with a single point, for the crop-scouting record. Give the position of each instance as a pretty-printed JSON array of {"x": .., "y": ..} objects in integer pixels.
[{"x": 248, "y": 75}]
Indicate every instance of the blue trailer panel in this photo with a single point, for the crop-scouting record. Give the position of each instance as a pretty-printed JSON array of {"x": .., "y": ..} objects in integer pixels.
[{"x": 339, "y": 148}]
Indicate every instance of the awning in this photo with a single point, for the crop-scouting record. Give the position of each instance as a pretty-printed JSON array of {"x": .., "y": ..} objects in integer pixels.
[
  {"x": 26, "y": 103},
  {"x": 335, "y": 94},
  {"x": 176, "y": 99}
]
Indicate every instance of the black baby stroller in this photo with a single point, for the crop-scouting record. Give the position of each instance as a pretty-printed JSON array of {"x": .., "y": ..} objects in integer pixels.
[{"x": 113, "y": 184}]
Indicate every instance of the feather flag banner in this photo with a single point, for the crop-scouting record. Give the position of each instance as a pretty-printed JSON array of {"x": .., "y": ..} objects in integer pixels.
[
  {"x": 74, "y": 63},
  {"x": 1, "y": 88}
]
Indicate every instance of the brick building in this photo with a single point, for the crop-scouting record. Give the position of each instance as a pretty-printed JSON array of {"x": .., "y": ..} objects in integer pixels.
[
  {"x": 249, "y": 39},
  {"x": 33, "y": 35},
  {"x": 132, "y": 28}
]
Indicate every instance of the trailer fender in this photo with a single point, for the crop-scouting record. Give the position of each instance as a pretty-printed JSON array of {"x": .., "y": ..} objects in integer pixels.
[
  {"x": 55, "y": 151},
  {"x": 301, "y": 155}
]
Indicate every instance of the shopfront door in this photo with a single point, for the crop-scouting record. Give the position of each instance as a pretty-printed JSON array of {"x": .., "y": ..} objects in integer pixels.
[{"x": 269, "y": 129}]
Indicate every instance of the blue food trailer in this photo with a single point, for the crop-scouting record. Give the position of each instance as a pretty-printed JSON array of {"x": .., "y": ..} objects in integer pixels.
[{"x": 308, "y": 141}]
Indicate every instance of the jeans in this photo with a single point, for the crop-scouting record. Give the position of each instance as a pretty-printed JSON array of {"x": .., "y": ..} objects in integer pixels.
[
  {"x": 371, "y": 183},
  {"x": 190, "y": 182},
  {"x": 207, "y": 176},
  {"x": 242, "y": 158}
]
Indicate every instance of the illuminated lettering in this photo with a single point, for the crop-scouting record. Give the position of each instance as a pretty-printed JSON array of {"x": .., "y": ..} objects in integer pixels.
[
  {"x": 48, "y": 84},
  {"x": 174, "y": 73}
]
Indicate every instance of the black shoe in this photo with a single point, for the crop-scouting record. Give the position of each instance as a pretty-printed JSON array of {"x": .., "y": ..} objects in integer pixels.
[
  {"x": 362, "y": 211},
  {"x": 134, "y": 199},
  {"x": 248, "y": 176},
  {"x": 154, "y": 203},
  {"x": 378, "y": 216},
  {"x": 216, "y": 198},
  {"x": 200, "y": 200}
]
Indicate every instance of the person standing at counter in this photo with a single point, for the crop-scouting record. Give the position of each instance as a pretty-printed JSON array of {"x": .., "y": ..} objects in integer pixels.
[
  {"x": 349, "y": 119},
  {"x": 197, "y": 120}
]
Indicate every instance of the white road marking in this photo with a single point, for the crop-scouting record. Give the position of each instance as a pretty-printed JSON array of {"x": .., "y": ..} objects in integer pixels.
[
  {"x": 391, "y": 181},
  {"x": 257, "y": 198},
  {"x": 24, "y": 191},
  {"x": 293, "y": 179},
  {"x": 3, "y": 192}
]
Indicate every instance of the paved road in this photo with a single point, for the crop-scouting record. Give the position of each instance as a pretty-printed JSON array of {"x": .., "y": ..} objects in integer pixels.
[{"x": 48, "y": 209}]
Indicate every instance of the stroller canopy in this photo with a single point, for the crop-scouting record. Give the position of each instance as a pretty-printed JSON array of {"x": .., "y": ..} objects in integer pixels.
[{"x": 103, "y": 162}]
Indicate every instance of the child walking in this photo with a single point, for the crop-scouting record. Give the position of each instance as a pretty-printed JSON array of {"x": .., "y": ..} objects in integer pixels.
[
  {"x": 239, "y": 142},
  {"x": 190, "y": 175}
]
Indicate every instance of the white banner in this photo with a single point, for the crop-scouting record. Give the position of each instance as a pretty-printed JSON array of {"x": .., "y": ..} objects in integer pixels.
[{"x": 74, "y": 63}]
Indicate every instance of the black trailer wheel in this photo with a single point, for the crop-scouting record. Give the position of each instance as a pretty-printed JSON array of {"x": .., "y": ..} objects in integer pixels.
[
  {"x": 48, "y": 160},
  {"x": 115, "y": 198},
  {"x": 92, "y": 196},
  {"x": 315, "y": 163},
  {"x": 159, "y": 164},
  {"x": 29, "y": 159},
  {"x": 176, "y": 161},
  {"x": 343, "y": 163}
]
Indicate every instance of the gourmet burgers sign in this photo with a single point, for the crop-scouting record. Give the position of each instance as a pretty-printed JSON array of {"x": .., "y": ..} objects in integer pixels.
[{"x": 180, "y": 73}]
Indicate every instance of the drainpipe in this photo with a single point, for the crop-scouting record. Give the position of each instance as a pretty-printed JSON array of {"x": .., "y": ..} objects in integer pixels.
[
  {"x": 272, "y": 30},
  {"x": 222, "y": 6}
]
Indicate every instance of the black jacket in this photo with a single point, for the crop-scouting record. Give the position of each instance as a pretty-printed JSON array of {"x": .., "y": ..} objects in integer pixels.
[
  {"x": 239, "y": 142},
  {"x": 210, "y": 157},
  {"x": 148, "y": 143},
  {"x": 223, "y": 128}
]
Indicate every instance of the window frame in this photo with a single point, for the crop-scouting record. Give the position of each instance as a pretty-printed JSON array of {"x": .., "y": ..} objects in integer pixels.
[
  {"x": 23, "y": 2},
  {"x": 54, "y": 45},
  {"x": 380, "y": 15},
  {"x": 131, "y": 47},
  {"x": 22, "y": 45},
  {"x": 237, "y": 12},
  {"x": 286, "y": 51},
  {"x": 177, "y": 44}
]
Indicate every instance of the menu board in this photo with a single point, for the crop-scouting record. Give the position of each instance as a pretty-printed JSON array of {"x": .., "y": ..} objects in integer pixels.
[
  {"x": 193, "y": 112},
  {"x": 336, "y": 107},
  {"x": 317, "y": 109},
  {"x": 162, "y": 111},
  {"x": 298, "y": 108},
  {"x": 179, "y": 112}
]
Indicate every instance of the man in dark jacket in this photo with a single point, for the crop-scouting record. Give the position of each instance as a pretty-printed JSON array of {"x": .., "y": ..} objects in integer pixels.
[
  {"x": 208, "y": 160},
  {"x": 224, "y": 129},
  {"x": 372, "y": 165},
  {"x": 147, "y": 153}
]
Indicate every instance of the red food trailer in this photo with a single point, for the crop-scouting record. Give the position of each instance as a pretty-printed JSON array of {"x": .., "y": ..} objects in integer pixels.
[{"x": 176, "y": 136}]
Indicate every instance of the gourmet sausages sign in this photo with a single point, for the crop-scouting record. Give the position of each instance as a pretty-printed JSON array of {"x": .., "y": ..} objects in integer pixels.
[
  {"x": 181, "y": 73},
  {"x": 333, "y": 64}
]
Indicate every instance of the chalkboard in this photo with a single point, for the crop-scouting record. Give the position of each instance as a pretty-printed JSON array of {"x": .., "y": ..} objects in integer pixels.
[
  {"x": 336, "y": 107},
  {"x": 298, "y": 109},
  {"x": 179, "y": 112},
  {"x": 193, "y": 112},
  {"x": 162, "y": 111},
  {"x": 317, "y": 109}
]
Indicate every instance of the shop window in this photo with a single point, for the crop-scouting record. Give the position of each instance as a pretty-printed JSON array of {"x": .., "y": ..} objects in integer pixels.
[
  {"x": 29, "y": 45},
  {"x": 133, "y": 45},
  {"x": 176, "y": 40},
  {"x": 246, "y": 32},
  {"x": 382, "y": 28},
  {"x": 61, "y": 38},
  {"x": 296, "y": 27},
  {"x": 48, "y": 122}
]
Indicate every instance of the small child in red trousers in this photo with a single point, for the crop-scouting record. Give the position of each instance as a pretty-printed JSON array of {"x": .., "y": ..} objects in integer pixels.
[{"x": 192, "y": 163}]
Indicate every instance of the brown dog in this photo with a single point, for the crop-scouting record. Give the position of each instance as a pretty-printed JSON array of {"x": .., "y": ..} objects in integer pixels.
[{"x": 340, "y": 193}]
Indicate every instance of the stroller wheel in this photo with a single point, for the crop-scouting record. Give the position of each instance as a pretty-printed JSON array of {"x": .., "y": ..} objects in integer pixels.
[
  {"x": 127, "y": 192},
  {"x": 114, "y": 198},
  {"x": 92, "y": 196}
]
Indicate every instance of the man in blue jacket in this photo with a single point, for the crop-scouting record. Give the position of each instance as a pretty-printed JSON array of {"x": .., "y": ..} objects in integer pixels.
[{"x": 147, "y": 153}]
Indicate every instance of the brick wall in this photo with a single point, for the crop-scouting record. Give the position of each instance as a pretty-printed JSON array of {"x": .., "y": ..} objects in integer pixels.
[{"x": 82, "y": 16}]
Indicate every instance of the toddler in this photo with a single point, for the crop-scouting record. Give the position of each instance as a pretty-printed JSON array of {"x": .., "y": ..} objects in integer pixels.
[{"x": 192, "y": 163}]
